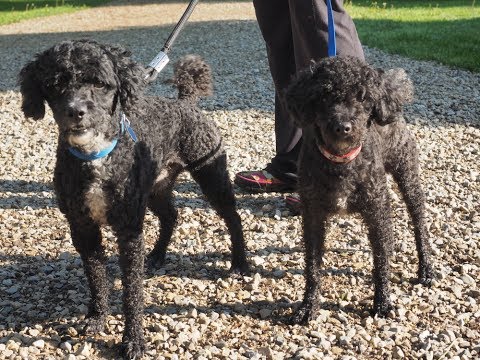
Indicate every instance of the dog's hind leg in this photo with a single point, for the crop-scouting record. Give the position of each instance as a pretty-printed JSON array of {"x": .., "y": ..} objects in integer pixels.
[
  {"x": 215, "y": 184},
  {"x": 87, "y": 240},
  {"x": 161, "y": 203},
  {"x": 406, "y": 174},
  {"x": 314, "y": 232}
]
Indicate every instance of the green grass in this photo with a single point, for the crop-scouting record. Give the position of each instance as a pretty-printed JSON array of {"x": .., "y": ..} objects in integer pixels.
[
  {"x": 16, "y": 10},
  {"x": 447, "y": 31}
]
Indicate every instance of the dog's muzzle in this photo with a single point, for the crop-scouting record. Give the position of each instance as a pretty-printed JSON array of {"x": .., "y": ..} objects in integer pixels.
[{"x": 80, "y": 136}]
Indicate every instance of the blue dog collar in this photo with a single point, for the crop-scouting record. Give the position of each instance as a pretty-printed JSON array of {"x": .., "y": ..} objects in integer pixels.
[
  {"x": 124, "y": 125},
  {"x": 95, "y": 155}
]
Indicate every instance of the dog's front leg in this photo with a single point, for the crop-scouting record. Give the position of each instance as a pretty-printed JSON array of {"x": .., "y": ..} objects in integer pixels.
[
  {"x": 87, "y": 240},
  {"x": 377, "y": 215},
  {"x": 314, "y": 231},
  {"x": 131, "y": 247}
]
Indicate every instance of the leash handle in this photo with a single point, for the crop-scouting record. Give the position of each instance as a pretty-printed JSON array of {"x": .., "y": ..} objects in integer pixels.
[
  {"x": 332, "y": 44},
  {"x": 159, "y": 62}
]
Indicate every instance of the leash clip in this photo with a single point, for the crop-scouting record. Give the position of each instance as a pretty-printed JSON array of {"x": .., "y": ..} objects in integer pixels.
[{"x": 156, "y": 65}]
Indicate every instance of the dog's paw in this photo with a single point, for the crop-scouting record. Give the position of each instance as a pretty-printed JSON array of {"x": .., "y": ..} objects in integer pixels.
[
  {"x": 425, "y": 276},
  {"x": 94, "y": 325},
  {"x": 240, "y": 267},
  {"x": 154, "y": 260},
  {"x": 302, "y": 316},
  {"x": 381, "y": 309},
  {"x": 133, "y": 350}
]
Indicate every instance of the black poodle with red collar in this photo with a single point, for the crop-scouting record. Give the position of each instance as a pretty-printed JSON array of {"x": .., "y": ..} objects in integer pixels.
[{"x": 353, "y": 135}]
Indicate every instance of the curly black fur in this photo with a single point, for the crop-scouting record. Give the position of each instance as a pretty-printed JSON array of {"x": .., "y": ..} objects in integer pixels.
[
  {"x": 342, "y": 104},
  {"x": 87, "y": 85}
]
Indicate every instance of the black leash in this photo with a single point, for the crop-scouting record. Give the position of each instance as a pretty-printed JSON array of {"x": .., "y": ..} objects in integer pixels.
[{"x": 159, "y": 61}]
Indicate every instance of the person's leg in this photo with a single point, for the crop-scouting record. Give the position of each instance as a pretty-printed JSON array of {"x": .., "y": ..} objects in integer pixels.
[
  {"x": 310, "y": 31},
  {"x": 295, "y": 33},
  {"x": 310, "y": 38},
  {"x": 273, "y": 18}
]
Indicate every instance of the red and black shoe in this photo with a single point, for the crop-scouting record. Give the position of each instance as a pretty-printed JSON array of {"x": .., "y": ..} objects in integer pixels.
[{"x": 261, "y": 181}]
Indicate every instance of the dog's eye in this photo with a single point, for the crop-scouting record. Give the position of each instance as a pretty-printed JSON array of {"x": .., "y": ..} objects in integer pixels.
[{"x": 100, "y": 85}]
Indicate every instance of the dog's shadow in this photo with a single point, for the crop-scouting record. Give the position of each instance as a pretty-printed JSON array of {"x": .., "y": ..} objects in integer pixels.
[
  {"x": 27, "y": 280},
  {"x": 22, "y": 194}
]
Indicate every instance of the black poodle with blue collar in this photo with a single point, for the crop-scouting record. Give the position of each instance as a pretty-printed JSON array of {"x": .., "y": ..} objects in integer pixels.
[{"x": 108, "y": 172}]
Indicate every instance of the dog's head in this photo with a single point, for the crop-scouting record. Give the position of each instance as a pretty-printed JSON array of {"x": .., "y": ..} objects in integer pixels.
[
  {"x": 339, "y": 98},
  {"x": 84, "y": 83}
]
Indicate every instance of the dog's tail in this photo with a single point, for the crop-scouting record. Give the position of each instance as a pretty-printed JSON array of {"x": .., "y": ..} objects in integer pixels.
[{"x": 193, "y": 78}]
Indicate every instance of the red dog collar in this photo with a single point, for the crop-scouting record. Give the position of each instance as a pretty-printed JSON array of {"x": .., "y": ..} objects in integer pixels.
[{"x": 340, "y": 159}]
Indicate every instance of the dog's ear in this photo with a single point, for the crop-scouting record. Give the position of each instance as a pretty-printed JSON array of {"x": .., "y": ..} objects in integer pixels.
[
  {"x": 394, "y": 91},
  {"x": 131, "y": 76},
  {"x": 33, "y": 100},
  {"x": 302, "y": 96}
]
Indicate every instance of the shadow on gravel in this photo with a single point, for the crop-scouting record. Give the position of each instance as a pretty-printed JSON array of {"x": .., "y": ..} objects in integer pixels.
[
  {"x": 39, "y": 200},
  {"x": 68, "y": 295},
  {"x": 21, "y": 186},
  {"x": 58, "y": 287},
  {"x": 44, "y": 197}
]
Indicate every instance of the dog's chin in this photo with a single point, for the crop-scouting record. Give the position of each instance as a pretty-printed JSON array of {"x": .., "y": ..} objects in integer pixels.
[
  {"x": 340, "y": 147},
  {"x": 80, "y": 138},
  {"x": 337, "y": 146},
  {"x": 89, "y": 142}
]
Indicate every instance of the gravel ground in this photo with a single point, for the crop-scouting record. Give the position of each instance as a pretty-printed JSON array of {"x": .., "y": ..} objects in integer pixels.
[{"x": 194, "y": 310}]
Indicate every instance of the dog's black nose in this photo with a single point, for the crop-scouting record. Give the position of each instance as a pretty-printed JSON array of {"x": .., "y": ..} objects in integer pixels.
[
  {"x": 77, "y": 110},
  {"x": 343, "y": 128}
]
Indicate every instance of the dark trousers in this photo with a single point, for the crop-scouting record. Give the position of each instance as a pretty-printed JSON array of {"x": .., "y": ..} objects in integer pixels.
[{"x": 296, "y": 32}]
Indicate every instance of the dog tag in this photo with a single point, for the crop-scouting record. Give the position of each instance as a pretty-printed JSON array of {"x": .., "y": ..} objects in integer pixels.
[
  {"x": 132, "y": 133},
  {"x": 125, "y": 125}
]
